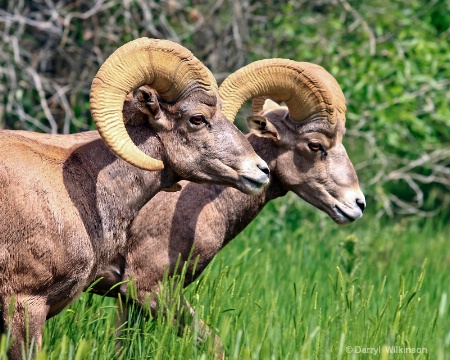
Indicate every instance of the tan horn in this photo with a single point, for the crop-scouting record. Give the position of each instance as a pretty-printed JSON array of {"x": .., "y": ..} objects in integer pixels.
[
  {"x": 258, "y": 104},
  {"x": 309, "y": 91},
  {"x": 169, "y": 68}
]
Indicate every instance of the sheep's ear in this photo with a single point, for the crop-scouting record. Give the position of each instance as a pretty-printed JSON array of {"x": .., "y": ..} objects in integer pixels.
[
  {"x": 146, "y": 100},
  {"x": 262, "y": 127},
  {"x": 270, "y": 105}
]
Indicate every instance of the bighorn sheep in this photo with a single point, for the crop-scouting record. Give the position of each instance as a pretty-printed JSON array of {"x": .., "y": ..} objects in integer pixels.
[
  {"x": 302, "y": 143},
  {"x": 66, "y": 201}
]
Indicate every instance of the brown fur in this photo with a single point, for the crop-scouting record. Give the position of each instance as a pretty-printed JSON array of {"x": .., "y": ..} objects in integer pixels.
[
  {"x": 66, "y": 202},
  {"x": 207, "y": 217}
]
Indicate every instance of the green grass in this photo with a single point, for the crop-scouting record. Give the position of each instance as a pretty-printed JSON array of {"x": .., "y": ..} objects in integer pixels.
[{"x": 293, "y": 285}]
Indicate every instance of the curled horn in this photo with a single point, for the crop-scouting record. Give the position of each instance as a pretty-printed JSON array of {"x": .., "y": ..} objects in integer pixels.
[
  {"x": 169, "y": 68},
  {"x": 258, "y": 104},
  {"x": 308, "y": 90}
]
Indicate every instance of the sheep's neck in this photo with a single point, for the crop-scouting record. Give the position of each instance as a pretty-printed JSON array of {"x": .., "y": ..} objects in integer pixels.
[
  {"x": 239, "y": 209},
  {"x": 227, "y": 210},
  {"x": 120, "y": 189}
]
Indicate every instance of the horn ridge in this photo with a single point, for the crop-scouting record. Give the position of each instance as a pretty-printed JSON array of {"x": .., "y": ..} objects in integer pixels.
[
  {"x": 172, "y": 70},
  {"x": 309, "y": 91}
]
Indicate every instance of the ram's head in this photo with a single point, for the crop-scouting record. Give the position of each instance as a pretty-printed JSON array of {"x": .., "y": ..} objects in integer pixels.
[
  {"x": 177, "y": 96},
  {"x": 308, "y": 131}
]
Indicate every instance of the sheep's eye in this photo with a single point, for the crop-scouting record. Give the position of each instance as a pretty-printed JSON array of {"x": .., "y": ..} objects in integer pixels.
[
  {"x": 197, "y": 120},
  {"x": 313, "y": 146}
]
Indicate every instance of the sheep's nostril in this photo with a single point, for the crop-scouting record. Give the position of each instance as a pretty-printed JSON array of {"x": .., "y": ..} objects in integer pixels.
[
  {"x": 361, "y": 204},
  {"x": 264, "y": 169}
]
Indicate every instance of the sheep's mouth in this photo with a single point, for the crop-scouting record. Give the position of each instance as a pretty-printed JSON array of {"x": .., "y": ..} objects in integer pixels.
[
  {"x": 344, "y": 215},
  {"x": 253, "y": 185}
]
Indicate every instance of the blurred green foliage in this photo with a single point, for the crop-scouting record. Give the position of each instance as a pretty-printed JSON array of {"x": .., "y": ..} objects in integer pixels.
[{"x": 392, "y": 60}]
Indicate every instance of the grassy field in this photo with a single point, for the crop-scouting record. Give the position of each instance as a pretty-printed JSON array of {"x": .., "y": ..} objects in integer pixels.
[{"x": 293, "y": 286}]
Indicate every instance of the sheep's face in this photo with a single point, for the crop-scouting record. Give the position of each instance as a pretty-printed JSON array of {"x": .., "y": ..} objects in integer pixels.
[
  {"x": 312, "y": 162},
  {"x": 200, "y": 143}
]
